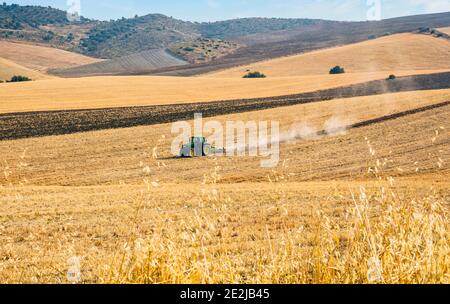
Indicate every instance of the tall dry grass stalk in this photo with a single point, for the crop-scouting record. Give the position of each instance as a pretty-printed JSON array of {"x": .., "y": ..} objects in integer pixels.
[{"x": 380, "y": 238}]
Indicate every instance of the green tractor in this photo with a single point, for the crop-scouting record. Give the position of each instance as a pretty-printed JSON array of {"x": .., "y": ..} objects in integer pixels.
[{"x": 199, "y": 147}]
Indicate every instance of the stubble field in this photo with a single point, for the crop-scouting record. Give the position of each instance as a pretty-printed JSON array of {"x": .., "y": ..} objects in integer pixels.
[
  {"x": 8, "y": 69},
  {"x": 41, "y": 58},
  {"x": 334, "y": 206}
]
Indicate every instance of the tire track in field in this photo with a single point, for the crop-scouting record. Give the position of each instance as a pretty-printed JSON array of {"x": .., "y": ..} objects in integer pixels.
[
  {"x": 381, "y": 119},
  {"x": 37, "y": 124}
]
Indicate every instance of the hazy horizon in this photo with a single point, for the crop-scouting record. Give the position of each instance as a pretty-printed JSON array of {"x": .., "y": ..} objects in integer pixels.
[{"x": 217, "y": 10}]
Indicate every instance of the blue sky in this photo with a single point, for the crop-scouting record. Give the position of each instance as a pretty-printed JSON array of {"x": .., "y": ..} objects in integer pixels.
[{"x": 212, "y": 10}]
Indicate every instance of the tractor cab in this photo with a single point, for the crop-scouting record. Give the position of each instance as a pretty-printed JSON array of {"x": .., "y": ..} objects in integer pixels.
[
  {"x": 198, "y": 146},
  {"x": 197, "y": 140}
]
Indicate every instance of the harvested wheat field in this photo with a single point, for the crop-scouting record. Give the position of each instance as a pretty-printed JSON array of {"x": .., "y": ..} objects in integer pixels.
[
  {"x": 112, "y": 156},
  {"x": 41, "y": 58},
  {"x": 9, "y": 69},
  {"x": 392, "y": 54},
  {"x": 226, "y": 220},
  {"x": 124, "y": 91}
]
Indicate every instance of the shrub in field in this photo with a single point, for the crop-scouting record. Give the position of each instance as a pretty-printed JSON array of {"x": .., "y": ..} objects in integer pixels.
[
  {"x": 337, "y": 70},
  {"x": 19, "y": 78},
  {"x": 70, "y": 37},
  {"x": 254, "y": 75}
]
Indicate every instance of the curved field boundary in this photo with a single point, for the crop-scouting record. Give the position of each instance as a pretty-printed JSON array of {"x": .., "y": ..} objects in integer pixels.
[
  {"x": 36, "y": 124},
  {"x": 138, "y": 63}
]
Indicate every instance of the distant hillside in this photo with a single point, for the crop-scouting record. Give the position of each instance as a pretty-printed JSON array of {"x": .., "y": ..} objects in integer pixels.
[
  {"x": 247, "y": 26},
  {"x": 138, "y": 63},
  {"x": 41, "y": 58},
  {"x": 126, "y": 36},
  {"x": 257, "y": 38},
  {"x": 41, "y": 25},
  {"x": 204, "y": 49},
  {"x": 16, "y": 17},
  {"x": 117, "y": 38},
  {"x": 270, "y": 45}
]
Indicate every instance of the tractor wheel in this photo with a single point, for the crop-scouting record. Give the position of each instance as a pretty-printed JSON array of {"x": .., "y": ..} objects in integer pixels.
[{"x": 186, "y": 154}]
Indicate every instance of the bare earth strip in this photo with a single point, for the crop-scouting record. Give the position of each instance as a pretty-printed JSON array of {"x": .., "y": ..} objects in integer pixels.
[{"x": 23, "y": 125}]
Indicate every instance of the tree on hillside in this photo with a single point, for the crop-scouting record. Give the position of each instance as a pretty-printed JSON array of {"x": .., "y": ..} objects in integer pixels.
[
  {"x": 19, "y": 78},
  {"x": 254, "y": 75},
  {"x": 70, "y": 37},
  {"x": 337, "y": 70}
]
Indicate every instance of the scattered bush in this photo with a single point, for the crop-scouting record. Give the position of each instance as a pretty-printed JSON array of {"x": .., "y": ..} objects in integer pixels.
[
  {"x": 392, "y": 77},
  {"x": 337, "y": 70},
  {"x": 424, "y": 30},
  {"x": 19, "y": 78},
  {"x": 254, "y": 75},
  {"x": 70, "y": 37}
]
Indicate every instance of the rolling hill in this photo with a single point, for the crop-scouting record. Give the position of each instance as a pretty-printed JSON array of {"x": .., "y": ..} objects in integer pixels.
[
  {"x": 139, "y": 63},
  {"x": 9, "y": 69},
  {"x": 41, "y": 58},
  {"x": 390, "y": 54}
]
